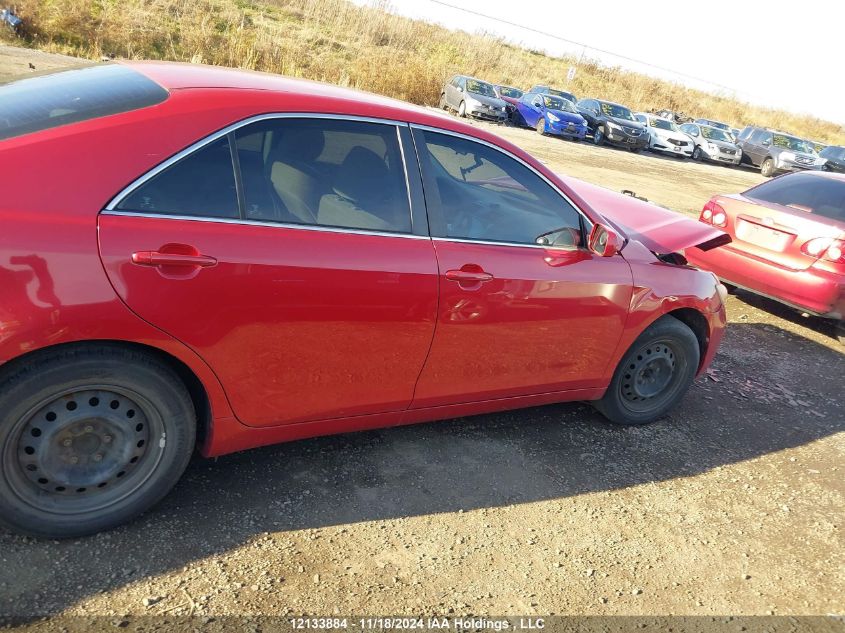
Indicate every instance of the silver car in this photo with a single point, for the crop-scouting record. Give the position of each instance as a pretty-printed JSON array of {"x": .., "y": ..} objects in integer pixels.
[
  {"x": 712, "y": 144},
  {"x": 473, "y": 97}
]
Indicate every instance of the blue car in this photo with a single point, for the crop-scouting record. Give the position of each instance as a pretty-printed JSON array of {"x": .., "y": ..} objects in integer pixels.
[{"x": 549, "y": 114}]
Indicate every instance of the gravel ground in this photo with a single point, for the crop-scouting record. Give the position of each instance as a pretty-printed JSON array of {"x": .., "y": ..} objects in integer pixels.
[{"x": 733, "y": 504}]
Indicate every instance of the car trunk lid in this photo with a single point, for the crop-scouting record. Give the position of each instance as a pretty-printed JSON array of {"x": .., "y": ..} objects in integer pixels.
[{"x": 773, "y": 232}]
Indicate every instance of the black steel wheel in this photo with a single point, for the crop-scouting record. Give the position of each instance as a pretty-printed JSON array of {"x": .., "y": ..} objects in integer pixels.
[
  {"x": 653, "y": 375},
  {"x": 89, "y": 438}
]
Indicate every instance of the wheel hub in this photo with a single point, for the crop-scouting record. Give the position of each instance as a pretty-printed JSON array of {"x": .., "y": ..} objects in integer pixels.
[
  {"x": 83, "y": 442},
  {"x": 649, "y": 373}
]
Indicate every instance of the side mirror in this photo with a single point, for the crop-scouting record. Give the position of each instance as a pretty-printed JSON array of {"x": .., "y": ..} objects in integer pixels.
[
  {"x": 604, "y": 241},
  {"x": 766, "y": 143},
  {"x": 460, "y": 89}
]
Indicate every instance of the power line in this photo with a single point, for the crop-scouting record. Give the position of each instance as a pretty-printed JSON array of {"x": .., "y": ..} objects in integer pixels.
[{"x": 585, "y": 46}]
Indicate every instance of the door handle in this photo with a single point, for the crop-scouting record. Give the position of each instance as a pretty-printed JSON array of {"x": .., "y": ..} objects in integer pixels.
[
  {"x": 156, "y": 258},
  {"x": 468, "y": 276}
]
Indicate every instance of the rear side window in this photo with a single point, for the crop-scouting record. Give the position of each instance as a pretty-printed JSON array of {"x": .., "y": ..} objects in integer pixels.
[
  {"x": 69, "y": 96},
  {"x": 201, "y": 184},
  {"x": 813, "y": 194},
  {"x": 324, "y": 172}
]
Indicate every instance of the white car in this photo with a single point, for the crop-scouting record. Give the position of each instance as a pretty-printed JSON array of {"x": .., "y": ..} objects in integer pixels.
[
  {"x": 713, "y": 144},
  {"x": 665, "y": 136}
]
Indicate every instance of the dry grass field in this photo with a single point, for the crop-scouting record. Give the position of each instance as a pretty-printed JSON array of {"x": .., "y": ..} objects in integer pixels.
[{"x": 364, "y": 47}]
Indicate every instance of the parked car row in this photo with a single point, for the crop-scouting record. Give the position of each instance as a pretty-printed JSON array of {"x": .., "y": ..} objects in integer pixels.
[{"x": 557, "y": 112}]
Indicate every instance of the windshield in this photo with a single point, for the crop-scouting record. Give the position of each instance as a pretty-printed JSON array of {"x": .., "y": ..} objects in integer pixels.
[
  {"x": 716, "y": 124},
  {"x": 72, "y": 95},
  {"x": 715, "y": 134},
  {"x": 616, "y": 111},
  {"x": 556, "y": 103},
  {"x": 836, "y": 153},
  {"x": 663, "y": 124},
  {"x": 795, "y": 144},
  {"x": 560, "y": 93},
  {"x": 513, "y": 93},
  {"x": 480, "y": 88}
]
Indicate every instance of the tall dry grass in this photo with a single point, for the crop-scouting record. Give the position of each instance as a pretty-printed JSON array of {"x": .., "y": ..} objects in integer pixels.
[{"x": 364, "y": 47}]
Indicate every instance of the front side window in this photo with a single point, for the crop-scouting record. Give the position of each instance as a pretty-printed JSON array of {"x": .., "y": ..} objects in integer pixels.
[
  {"x": 476, "y": 192},
  {"x": 201, "y": 184},
  {"x": 324, "y": 172}
]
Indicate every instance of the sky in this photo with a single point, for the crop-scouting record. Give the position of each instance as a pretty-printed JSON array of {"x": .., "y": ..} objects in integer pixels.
[{"x": 776, "y": 53}]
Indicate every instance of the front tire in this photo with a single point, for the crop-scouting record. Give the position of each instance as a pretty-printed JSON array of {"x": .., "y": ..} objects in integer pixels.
[
  {"x": 767, "y": 169},
  {"x": 541, "y": 126},
  {"x": 653, "y": 375},
  {"x": 598, "y": 136},
  {"x": 90, "y": 437},
  {"x": 462, "y": 109},
  {"x": 696, "y": 153}
]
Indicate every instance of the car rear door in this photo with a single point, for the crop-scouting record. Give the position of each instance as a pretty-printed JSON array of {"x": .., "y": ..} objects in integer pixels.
[
  {"x": 514, "y": 317},
  {"x": 287, "y": 254}
]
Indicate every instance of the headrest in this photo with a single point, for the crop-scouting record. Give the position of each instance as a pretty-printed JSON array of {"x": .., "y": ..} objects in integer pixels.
[{"x": 362, "y": 176}]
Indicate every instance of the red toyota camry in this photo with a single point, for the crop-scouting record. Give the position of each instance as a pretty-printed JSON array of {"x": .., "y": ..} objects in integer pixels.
[
  {"x": 194, "y": 255},
  {"x": 788, "y": 241}
]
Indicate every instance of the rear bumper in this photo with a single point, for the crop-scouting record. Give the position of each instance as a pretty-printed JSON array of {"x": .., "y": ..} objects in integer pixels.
[{"x": 815, "y": 291}]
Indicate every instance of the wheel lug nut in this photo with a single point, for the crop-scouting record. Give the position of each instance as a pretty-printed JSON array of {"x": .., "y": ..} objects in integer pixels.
[
  {"x": 74, "y": 460},
  {"x": 67, "y": 442},
  {"x": 107, "y": 438},
  {"x": 98, "y": 457},
  {"x": 89, "y": 429}
]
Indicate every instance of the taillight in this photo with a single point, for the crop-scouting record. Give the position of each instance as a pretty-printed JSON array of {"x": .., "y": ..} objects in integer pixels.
[
  {"x": 714, "y": 214},
  {"x": 825, "y": 248}
]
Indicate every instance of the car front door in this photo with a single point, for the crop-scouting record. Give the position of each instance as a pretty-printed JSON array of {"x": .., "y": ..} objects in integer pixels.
[
  {"x": 515, "y": 317},
  {"x": 530, "y": 108},
  {"x": 286, "y": 254}
]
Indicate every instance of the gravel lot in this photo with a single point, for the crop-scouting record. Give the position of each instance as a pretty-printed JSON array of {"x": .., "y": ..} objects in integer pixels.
[{"x": 732, "y": 505}]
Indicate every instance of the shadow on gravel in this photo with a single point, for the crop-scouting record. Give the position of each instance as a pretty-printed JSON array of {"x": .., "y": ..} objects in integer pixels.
[
  {"x": 827, "y": 327},
  {"x": 769, "y": 390}
]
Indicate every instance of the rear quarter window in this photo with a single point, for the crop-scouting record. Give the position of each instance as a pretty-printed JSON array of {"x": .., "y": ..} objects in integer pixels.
[{"x": 73, "y": 95}]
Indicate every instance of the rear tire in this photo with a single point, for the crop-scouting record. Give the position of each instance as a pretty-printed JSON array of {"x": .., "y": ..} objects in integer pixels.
[
  {"x": 767, "y": 169},
  {"x": 443, "y": 105},
  {"x": 654, "y": 374},
  {"x": 90, "y": 437}
]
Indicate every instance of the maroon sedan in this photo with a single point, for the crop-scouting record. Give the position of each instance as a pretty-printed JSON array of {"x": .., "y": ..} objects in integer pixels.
[
  {"x": 788, "y": 241},
  {"x": 200, "y": 256}
]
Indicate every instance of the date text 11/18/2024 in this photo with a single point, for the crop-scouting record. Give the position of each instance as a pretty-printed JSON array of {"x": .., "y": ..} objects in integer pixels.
[{"x": 418, "y": 623}]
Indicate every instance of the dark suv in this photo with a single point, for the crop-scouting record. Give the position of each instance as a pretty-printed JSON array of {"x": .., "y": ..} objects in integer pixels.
[
  {"x": 835, "y": 157},
  {"x": 613, "y": 123},
  {"x": 777, "y": 152}
]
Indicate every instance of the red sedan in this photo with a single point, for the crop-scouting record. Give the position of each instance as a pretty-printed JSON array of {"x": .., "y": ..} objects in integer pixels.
[
  {"x": 788, "y": 241},
  {"x": 194, "y": 255}
]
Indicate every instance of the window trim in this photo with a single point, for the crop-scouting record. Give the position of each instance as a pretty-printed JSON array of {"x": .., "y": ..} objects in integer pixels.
[
  {"x": 585, "y": 222},
  {"x": 229, "y": 132}
]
